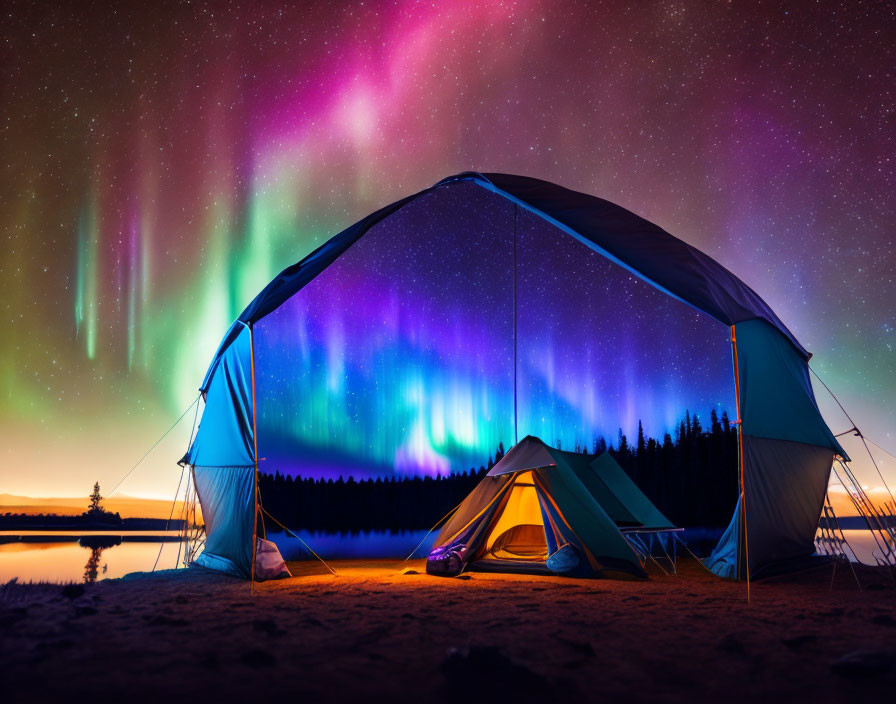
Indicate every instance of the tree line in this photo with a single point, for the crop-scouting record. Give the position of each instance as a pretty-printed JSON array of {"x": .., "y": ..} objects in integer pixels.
[
  {"x": 94, "y": 518},
  {"x": 691, "y": 477}
]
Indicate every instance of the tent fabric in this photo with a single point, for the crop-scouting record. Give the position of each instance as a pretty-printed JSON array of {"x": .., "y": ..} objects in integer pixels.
[
  {"x": 776, "y": 396},
  {"x": 477, "y": 501},
  {"x": 227, "y": 498},
  {"x": 788, "y": 452},
  {"x": 528, "y": 453},
  {"x": 593, "y": 530},
  {"x": 520, "y": 509},
  {"x": 616, "y": 509},
  {"x": 523, "y": 541},
  {"x": 628, "y": 494},
  {"x": 223, "y": 460},
  {"x": 785, "y": 483},
  {"x": 225, "y": 434}
]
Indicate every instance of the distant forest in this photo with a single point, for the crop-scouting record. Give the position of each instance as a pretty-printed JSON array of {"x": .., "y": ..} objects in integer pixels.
[
  {"x": 692, "y": 477},
  {"x": 95, "y": 518},
  {"x": 83, "y": 522}
]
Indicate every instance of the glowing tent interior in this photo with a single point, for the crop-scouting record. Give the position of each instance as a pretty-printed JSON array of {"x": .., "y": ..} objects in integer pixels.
[
  {"x": 543, "y": 510},
  {"x": 474, "y": 237}
]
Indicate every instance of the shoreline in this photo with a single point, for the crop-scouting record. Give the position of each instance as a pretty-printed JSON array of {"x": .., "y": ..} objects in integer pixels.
[{"x": 20, "y": 523}]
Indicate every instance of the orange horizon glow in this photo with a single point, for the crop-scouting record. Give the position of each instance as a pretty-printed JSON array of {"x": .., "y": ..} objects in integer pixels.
[{"x": 126, "y": 506}]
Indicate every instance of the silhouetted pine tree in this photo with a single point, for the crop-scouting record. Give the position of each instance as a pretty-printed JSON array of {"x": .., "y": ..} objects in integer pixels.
[{"x": 96, "y": 499}]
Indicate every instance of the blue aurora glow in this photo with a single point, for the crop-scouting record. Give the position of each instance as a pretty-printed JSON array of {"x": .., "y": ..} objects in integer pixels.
[{"x": 398, "y": 359}]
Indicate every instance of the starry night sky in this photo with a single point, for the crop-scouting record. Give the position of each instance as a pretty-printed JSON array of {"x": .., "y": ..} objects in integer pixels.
[{"x": 162, "y": 163}]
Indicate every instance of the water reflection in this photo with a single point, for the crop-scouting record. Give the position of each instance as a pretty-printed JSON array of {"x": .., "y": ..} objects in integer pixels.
[
  {"x": 73, "y": 557},
  {"x": 366, "y": 545},
  {"x": 91, "y": 568},
  {"x": 96, "y": 544},
  {"x": 60, "y": 557}
]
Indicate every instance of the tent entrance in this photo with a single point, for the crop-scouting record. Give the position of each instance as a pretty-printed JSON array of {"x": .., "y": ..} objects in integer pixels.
[{"x": 518, "y": 529}]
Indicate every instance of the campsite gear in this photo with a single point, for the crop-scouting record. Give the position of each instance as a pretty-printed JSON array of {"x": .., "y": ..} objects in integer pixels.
[
  {"x": 566, "y": 559},
  {"x": 268, "y": 562},
  {"x": 299, "y": 538},
  {"x": 447, "y": 561},
  {"x": 785, "y": 448},
  {"x": 542, "y": 510}
]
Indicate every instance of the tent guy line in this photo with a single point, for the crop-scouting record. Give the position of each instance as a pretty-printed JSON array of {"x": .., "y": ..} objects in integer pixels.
[
  {"x": 434, "y": 526},
  {"x": 294, "y": 535},
  {"x": 156, "y": 444},
  {"x": 170, "y": 516},
  {"x": 858, "y": 433}
]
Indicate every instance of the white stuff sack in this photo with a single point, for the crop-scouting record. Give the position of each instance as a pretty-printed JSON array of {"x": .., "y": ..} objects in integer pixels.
[{"x": 269, "y": 563}]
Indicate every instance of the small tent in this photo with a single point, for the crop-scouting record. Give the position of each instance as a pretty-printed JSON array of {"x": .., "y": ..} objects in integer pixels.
[
  {"x": 786, "y": 450},
  {"x": 542, "y": 510}
]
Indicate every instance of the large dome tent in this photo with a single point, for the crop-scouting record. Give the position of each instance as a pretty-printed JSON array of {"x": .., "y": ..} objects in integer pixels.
[{"x": 786, "y": 448}]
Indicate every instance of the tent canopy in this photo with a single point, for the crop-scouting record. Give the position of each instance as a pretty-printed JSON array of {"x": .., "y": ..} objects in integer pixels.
[
  {"x": 643, "y": 248},
  {"x": 787, "y": 447}
]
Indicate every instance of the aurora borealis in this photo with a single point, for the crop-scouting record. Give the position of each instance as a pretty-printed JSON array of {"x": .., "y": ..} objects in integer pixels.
[
  {"x": 163, "y": 163},
  {"x": 399, "y": 357}
]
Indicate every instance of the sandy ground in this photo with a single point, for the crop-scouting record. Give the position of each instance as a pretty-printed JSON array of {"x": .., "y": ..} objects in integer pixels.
[{"x": 372, "y": 634}]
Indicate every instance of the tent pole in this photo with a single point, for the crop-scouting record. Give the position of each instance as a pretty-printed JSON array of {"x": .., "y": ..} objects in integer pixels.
[
  {"x": 255, "y": 475},
  {"x": 515, "y": 433},
  {"x": 740, "y": 457}
]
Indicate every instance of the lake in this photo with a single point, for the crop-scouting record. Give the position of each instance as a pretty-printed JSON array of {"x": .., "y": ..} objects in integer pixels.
[
  {"x": 72, "y": 556},
  {"x": 69, "y": 556},
  {"x": 60, "y": 556}
]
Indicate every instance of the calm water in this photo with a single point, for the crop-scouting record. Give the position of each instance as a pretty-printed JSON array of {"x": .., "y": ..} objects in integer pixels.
[
  {"x": 70, "y": 556},
  {"x": 60, "y": 556},
  {"x": 347, "y": 546},
  {"x": 67, "y": 556},
  {"x": 862, "y": 546}
]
